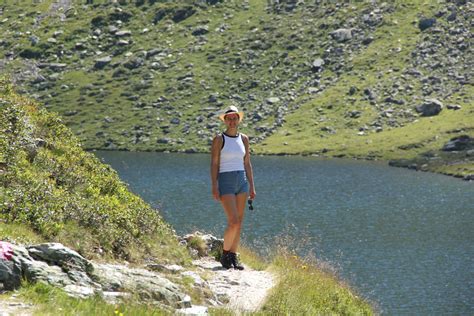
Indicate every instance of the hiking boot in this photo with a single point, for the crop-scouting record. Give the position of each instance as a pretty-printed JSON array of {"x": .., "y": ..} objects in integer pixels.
[
  {"x": 226, "y": 260},
  {"x": 235, "y": 261}
]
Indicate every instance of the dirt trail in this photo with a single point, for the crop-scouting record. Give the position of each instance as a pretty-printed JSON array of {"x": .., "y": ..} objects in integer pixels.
[
  {"x": 246, "y": 290},
  {"x": 11, "y": 306}
]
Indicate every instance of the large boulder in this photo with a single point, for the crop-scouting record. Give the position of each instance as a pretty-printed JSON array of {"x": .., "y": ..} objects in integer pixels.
[
  {"x": 58, "y": 254},
  {"x": 177, "y": 14},
  {"x": 426, "y": 23},
  {"x": 62, "y": 267},
  {"x": 22, "y": 265},
  {"x": 430, "y": 107},
  {"x": 182, "y": 14},
  {"x": 148, "y": 285},
  {"x": 317, "y": 64},
  {"x": 342, "y": 35},
  {"x": 200, "y": 30},
  {"x": 463, "y": 142},
  {"x": 102, "y": 62}
]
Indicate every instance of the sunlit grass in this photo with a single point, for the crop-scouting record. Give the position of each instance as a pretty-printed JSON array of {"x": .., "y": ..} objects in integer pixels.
[
  {"x": 252, "y": 259},
  {"x": 305, "y": 289},
  {"x": 49, "y": 301},
  {"x": 18, "y": 233}
]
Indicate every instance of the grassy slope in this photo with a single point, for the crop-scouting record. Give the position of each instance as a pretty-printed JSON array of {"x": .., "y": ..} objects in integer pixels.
[
  {"x": 305, "y": 289},
  {"x": 62, "y": 193}
]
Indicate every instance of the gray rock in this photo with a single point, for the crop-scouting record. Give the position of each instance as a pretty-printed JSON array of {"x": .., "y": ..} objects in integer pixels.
[
  {"x": 198, "y": 281},
  {"x": 352, "y": 90},
  {"x": 430, "y": 107},
  {"x": 80, "y": 291},
  {"x": 22, "y": 265},
  {"x": 115, "y": 297},
  {"x": 317, "y": 64},
  {"x": 53, "y": 66},
  {"x": 342, "y": 35},
  {"x": 355, "y": 114},
  {"x": 152, "y": 52},
  {"x": 463, "y": 142},
  {"x": 147, "y": 284},
  {"x": 123, "y": 42},
  {"x": 328, "y": 129},
  {"x": 102, "y": 62},
  {"x": 426, "y": 23},
  {"x": 123, "y": 33},
  {"x": 182, "y": 13},
  {"x": 63, "y": 267},
  {"x": 164, "y": 140},
  {"x": 38, "y": 79},
  {"x": 212, "y": 125},
  {"x": 113, "y": 29},
  {"x": 169, "y": 268},
  {"x": 453, "y": 107},
  {"x": 370, "y": 94},
  {"x": 134, "y": 63},
  {"x": 213, "y": 98},
  {"x": 34, "y": 40},
  {"x": 395, "y": 101},
  {"x": 372, "y": 18},
  {"x": 193, "y": 311},
  {"x": 469, "y": 177},
  {"x": 10, "y": 273},
  {"x": 367, "y": 40},
  {"x": 58, "y": 254},
  {"x": 80, "y": 45},
  {"x": 200, "y": 30},
  {"x": 273, "y": 100}
]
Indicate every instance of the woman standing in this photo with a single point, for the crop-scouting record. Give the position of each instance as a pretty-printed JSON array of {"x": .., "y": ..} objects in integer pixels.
[{"x": 232, "y": 181}]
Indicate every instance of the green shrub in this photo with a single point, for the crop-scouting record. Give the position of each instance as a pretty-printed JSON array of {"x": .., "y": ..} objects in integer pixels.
[{"x": 31, "y": 53}]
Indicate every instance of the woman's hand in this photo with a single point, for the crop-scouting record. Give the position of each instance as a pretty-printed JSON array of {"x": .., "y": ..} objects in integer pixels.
[{"x": 252, "y": 194}]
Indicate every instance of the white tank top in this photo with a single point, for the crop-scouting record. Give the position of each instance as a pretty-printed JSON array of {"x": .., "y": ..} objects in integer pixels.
[{"x": 232, "y": 154}]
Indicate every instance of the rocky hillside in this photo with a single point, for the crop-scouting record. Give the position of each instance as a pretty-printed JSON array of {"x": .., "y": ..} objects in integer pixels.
[{"x": 377, "y": 80}]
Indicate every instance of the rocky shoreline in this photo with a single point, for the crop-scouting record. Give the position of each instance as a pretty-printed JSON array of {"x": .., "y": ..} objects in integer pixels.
[{"x": 154, "y": 283}]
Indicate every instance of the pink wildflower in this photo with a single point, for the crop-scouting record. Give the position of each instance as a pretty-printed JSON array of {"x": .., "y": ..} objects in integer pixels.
[{"x": 6, "y": 251}]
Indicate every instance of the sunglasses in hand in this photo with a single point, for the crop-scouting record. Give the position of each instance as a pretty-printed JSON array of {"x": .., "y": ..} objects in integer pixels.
[{"x": 250, "y": 205}]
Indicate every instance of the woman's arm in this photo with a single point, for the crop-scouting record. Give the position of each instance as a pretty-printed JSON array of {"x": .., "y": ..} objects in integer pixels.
[
  {"x": 248, "y": 167},
  {"x": 215, "y": 157}
]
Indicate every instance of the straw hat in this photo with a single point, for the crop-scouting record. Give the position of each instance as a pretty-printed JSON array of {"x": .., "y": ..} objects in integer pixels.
[{"x": 229, "y": 110}]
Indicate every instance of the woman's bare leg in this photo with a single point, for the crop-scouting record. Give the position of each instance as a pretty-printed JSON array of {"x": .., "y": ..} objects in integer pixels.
[
  {"x": 229, "y": 203},
  {"x": 241, "y": 200}
]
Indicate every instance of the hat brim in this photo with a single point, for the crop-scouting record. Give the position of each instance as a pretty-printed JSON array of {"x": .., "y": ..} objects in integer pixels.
[{"x": 241, "y": 116}]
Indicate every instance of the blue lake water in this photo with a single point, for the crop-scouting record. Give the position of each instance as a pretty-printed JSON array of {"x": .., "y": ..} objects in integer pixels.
[{"x": 403, "y": 239}]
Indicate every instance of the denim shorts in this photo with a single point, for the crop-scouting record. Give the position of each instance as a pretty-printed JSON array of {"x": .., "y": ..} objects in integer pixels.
[{"x": 232, "y": 182}]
